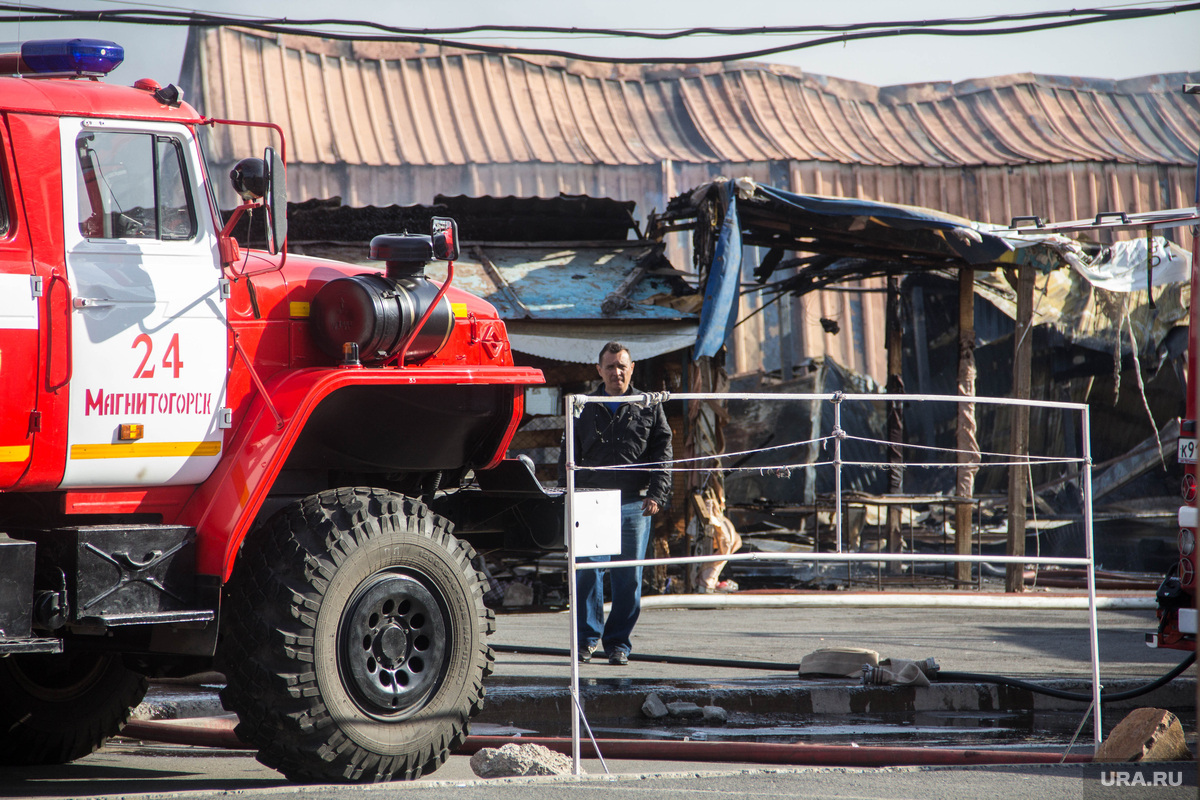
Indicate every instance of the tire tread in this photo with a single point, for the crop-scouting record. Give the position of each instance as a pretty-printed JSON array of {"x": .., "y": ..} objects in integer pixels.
[{"x": 267, "y": 645}]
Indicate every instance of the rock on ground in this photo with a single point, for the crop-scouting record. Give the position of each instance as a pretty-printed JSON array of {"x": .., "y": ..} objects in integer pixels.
[
  {"x": 654, "y": 707},
  {"x": 685, "y": 709},
  {"x": 513, "y": 760},
  {"x": 1146, "y": 734}
]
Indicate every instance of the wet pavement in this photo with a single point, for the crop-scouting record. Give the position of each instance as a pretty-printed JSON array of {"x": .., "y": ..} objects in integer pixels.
[
  {"x": 528, "y": 697},
  {"x": 528, "y": 694}
]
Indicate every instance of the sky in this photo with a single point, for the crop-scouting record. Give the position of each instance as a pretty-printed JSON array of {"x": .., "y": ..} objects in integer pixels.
[{"x": 1105, "y": 50}]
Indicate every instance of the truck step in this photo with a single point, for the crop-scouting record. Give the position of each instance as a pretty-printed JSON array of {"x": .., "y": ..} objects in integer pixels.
[
  {"x": 11, "y": 647},
  {"x": 153, "y": 618}
]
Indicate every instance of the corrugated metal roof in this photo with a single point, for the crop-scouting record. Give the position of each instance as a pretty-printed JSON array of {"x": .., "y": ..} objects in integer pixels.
[
  {"x": 381, "y": 104},
  {"x": 969, "y": 149}
]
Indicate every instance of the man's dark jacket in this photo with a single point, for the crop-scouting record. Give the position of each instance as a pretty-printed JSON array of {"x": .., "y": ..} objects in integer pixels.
[{"x": 634, "y": 435}]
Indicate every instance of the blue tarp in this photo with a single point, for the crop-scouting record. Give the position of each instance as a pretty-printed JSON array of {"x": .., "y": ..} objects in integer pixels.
[
  {"x": 770, "y": 217},
  {"x": 877, "y": 223},
  {"x": 719, "y": 313}
]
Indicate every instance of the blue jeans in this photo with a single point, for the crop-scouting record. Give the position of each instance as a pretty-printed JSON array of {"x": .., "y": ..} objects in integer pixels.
[{"x": 626, "y": 588}]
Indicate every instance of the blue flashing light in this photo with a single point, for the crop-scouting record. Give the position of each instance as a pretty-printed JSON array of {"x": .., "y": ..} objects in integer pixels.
[{"x": 90, "y": 57}]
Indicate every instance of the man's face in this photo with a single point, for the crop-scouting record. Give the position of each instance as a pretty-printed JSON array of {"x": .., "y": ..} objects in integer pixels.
[{"x": 616, "y": 370}]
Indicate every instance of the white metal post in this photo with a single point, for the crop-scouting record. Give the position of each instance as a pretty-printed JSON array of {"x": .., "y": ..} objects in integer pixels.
[
  {"x": 837, "y": 474},
  {"x": 572, "y": 593},
  {"x": 1097, "y": 726},
  {"x": 577, "y": 713}
]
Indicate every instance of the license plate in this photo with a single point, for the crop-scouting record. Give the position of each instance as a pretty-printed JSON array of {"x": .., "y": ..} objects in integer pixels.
[{"x": 1187, "y": 451}]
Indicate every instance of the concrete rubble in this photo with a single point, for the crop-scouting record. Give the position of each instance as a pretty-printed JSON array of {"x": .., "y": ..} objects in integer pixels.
[
  {"x": 514, "y": 760},
  {"x": 685, "y": 710},
  {"x": 1146, "y": 734},
  {"x": 654, "y": 707}
]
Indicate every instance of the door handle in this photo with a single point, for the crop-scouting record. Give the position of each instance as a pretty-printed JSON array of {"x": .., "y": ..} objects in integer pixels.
[
  {"x": 92, "y": 302},
  {"x": 55, "y": 279}
]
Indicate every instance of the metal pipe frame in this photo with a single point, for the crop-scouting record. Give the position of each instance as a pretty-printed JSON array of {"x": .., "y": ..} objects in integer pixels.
[{"x": 837, "y": 398}]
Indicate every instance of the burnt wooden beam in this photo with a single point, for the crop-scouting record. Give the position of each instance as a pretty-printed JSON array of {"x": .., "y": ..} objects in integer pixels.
[{"x": 1018, "y": 442}]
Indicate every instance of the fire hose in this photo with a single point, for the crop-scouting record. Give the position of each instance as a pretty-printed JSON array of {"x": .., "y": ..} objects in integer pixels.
[{"x": 972, "y": 677}]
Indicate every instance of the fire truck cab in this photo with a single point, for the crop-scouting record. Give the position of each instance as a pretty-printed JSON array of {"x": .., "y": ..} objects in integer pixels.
[{"x": 221, "y": 455}]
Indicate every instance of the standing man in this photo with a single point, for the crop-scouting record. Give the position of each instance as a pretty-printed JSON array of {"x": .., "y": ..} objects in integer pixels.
[{"x": 610, "y": 434}]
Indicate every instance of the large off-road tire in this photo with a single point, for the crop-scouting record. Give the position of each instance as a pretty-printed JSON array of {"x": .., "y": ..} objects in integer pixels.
[
  {"x": 57, "y": 708},
  {"x": 353, "y": 639}
]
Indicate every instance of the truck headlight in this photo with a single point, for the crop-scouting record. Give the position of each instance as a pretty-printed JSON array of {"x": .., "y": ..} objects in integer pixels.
[{"x": 1187, "y": 541}]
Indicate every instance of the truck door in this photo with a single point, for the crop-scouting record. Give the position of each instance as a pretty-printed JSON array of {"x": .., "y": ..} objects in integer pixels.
[
  {"x": 18, "y": 330},
  {"x": 148, "y": 334}
]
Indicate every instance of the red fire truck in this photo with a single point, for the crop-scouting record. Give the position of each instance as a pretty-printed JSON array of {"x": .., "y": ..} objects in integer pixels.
[{"x": 212, "y": 454}]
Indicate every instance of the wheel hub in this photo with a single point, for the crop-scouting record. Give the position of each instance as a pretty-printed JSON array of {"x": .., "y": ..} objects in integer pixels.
[{"x": 393, "y": 644}]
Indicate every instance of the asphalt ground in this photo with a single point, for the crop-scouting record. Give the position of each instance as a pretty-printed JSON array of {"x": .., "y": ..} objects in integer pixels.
[
  {"x": 1031, "y": 644},
  {"x": 122, "y": 771},
  {"x": 527, "y": 695},
  {"x": 1049, "y": 647}
]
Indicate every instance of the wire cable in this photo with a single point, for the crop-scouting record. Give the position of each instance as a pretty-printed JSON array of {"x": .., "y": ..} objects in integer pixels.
[
  {"x": 940, "y": 675},
  {"x": 889, "y": 27},
  {"x": 843, "y": 35},
  {"x": 974, "y": 677}
]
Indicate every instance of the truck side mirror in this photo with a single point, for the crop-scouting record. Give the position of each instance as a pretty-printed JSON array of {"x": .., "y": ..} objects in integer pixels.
[
  {"x": 276, "y": 201},
  {"x": 444, "y": 235}
]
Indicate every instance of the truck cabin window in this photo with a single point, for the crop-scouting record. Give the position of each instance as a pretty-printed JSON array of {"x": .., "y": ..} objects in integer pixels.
[{"x": 133, "y": 186}]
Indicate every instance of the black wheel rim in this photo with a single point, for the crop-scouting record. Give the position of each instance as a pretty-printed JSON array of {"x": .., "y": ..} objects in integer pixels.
[{"x": 392, "y": 645}]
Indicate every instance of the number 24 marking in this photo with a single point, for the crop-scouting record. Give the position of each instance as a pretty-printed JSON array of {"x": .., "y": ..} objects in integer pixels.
[{"x": 170, "y": 360}]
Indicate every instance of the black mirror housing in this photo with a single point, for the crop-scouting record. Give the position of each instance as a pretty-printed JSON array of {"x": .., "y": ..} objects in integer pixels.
[
  {"x": 249, "y": 178},
  {"x": 276, "y": 200}
]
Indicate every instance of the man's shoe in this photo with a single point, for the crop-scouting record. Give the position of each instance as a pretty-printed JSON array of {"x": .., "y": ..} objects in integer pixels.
[
  {"x": 586, "y": 653},
  {"x": 619, "y": 658}
]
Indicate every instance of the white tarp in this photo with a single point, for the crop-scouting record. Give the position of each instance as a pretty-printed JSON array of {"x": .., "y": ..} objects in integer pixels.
[{"x": 1121, "y": 266}]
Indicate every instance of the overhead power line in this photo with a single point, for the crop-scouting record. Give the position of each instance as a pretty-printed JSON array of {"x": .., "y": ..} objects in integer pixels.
[{"x": 996, "y": 25}]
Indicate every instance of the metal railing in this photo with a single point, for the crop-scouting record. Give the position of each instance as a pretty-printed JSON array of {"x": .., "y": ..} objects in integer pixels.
[{"x": 575, "y": 404}]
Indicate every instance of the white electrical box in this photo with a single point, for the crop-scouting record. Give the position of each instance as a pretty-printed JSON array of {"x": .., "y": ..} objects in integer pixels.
[
  {"x": 597, "y": 522},
  {"x": 542, "y": 400}
]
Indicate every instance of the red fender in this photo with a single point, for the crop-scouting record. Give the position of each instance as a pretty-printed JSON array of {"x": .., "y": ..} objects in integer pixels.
[{"x": 224, "y": 506}]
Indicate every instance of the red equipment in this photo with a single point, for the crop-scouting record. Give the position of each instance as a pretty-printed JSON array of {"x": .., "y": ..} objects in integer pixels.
[{"x": 218, "y": 455}]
